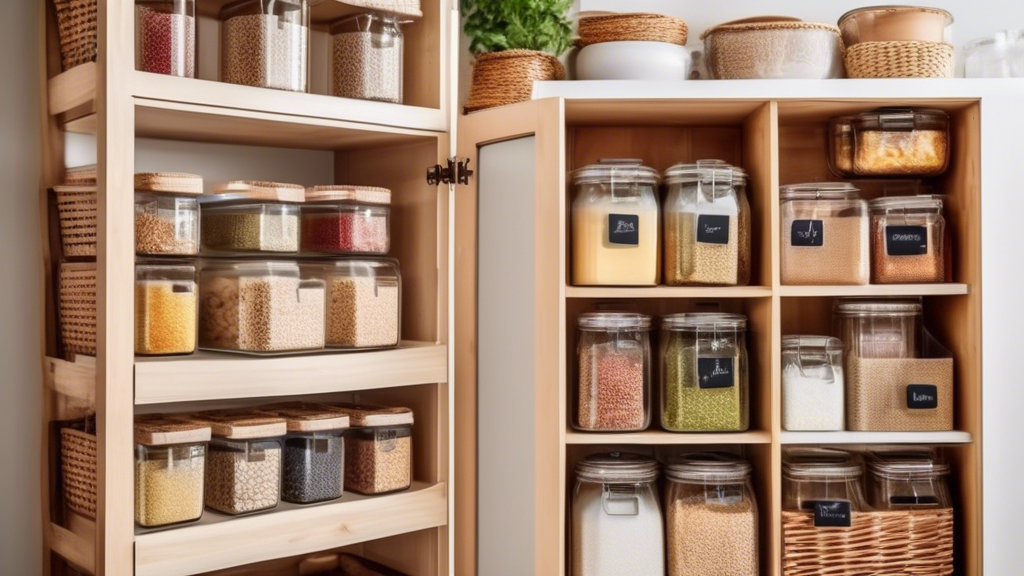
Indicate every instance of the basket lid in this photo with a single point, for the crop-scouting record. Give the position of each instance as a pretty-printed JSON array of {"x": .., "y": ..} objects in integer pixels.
[
  {"x": 705, "y": 321},
  {"x": 613, "y": 320},
  {"x": 343, "y": 193},
  {"x": 303, "y": 417},
  {"x": 160, "y": 430},
  {"x": 236, "y": 190},
  {"x": 598, "y": 26},
  {"x": 240, "y": 424},
  {"x": 768, "y": 23},
  {"x": 617, "y": 467},
  {"x": 372, "y": 414},
  {"x": 170, "y": 182},
  {"x": 708, "y": 467}
]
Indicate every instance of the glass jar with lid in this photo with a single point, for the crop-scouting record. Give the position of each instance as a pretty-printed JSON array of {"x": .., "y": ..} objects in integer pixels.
[
  {"x": 840, "y": 145},
  {"x": 908, "y": 479},
  {"x": 368, "y": 56},
  {"x": 248, "y": 216},
  {"x": 314, "y": 452},
  {"x": 378, "y": 450},
  {"x": 707, "y": 224},
  {"x": 167, "y": 213},
  {"x": 166, "y": 307},
  {"x": 900, "y": 142},
  {"x": 265, "y": 43},
  {"x": 170, "y": 458},
  {"x": 822, "y": 485},
  {"x": 704, "y": 378},
  {"x": 812, "y": 383},
  {"x": 617, "y": 527},
  {"x": 824, "y": 232},
  {"x": 710, "y": 516},
  {"x": 613, "y": 378},
  {"x": 907, "y": 240},
  {"x": 615, "y": 224},
  {"x": 364, "y": 299},
  {"x": 346, "y": 220},
  {"x": 165, "y": 37},
  {"x": 879, "y": 327},
  {"x": 1000, "y": 55}
]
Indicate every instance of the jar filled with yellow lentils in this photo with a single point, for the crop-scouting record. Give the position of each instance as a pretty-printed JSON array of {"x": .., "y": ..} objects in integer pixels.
[{"x": 170, "y": 462}]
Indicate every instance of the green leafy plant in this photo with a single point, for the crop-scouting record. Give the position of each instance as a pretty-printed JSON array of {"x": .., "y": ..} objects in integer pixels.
[{"x": 496, "y": 25}]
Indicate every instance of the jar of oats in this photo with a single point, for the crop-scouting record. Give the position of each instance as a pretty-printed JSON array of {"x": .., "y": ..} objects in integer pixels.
[
  {"x": 613, "y": 376},
  {"x": 166, "y": 305},
  {"x": 378, "y": 450},
  {"x": 367, "y": 57},
  {"x": 167, "y": 213},
  {"x": 251, "y": 217},
  {"x": 314, "y": 452},
  {"x": 900, "y": 142},
  {"x": 364, "y": 299},
  {"x": 907, "y": 240},
  {"x": 824, "y": 233},
  {"x": 265, "y": 43},
  {"x": 706, "y": 224},
  {"x": 170, "y": 464}
]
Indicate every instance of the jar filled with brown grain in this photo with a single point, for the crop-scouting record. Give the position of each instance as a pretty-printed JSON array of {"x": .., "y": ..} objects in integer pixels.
[
  {"x": 907, "y": 240},
  {"x": 900, "y": 142},
  {"x": 166, "y": 309},
  {"x": 613, "y": 378},
  {"x": 824, "y": 234},
  {"x": 364, "y": 300},
  {"x": 378, "y": 448},
  {"x": 368, "y": 52},
  {"x": 170, "y": 464},
  {"x": 265, "y": 43},
  {"x": 167, "y": 213}
]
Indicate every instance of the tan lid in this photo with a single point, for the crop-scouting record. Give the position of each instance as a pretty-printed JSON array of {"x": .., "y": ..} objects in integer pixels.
[
  {"x": 341, "y": 193},
  {"x": 171, "y": 182},
  {"x": 257, "y": 190},
  {"x": 373, "y": 415},
  {"x": 81, "y": 175},
  {"x": 160, "y": 430},
  {"x": 239, "y": 425},
  {"x": 303, "y": 417}
]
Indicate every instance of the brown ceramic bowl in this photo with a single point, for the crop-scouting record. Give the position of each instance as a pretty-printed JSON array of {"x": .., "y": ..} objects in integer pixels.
[{"x": 889, "y": 23}]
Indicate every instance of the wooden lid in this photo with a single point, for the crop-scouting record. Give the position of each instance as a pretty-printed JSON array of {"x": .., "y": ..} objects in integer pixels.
[
  {"x": 257, "y": 190},
  {"x": 160, "y": 430},
  {"x": 373, "y": 415},
  {"x": 171, "y": 182},
  {"x": 239, "y": 425},
  {"x": 308, "y": 417},
  {"x": 341, "y": 193}
]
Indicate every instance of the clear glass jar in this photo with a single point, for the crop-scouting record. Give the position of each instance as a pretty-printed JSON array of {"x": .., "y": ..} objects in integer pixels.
[
  {"x": 907, "y": 240},
  {"x": 840, "y": 145},
  {"x": 364, "y": 301},
  {"x": 248, "y": 217},
  {"x": 346, "y": 220},
  {"x": 812, "y": 383},
  {"x": 814, "y": 478},
  {"x": 899, "y": 142},
  {"x": 705, "y": 378},
  {"x": 878, "y": 328},
  {"x": 824, "y": 233},
  {"x": 243, "y": 476},
  {"x": 165, "y": 37},
  {"x": 169, "y": 483},
  {"x": 617, "y": 527},
  {"x": 1000, "y": 55},
  {"x": 260, "y": 306},
  {"x": 165, "y": 309},
  {"x": 615, "y": 224},
  {"x": 613, "y": 379},
  {"x": 707, "y": 224},
  {"x": 908, "y": 480},
  {"x": 710, "y": 516},
  {"x": 167, "y": 214},
  {"x": 265, "y": 43},
  {"x": 368, "y": 56},
  {"x": 314, "y": 466}
]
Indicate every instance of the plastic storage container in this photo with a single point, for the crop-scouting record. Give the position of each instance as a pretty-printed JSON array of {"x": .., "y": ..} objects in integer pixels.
[
  {"x": 613, "y": 378},
  {"x": 906, "y": 479},
  {"x": 378, "y": 451},
  {"x": 265, "y": 43},
  {"x": 615, "y": 224},
  {"x": 346, "y": 220},
  {"x": 248, "y": 217},
  {"x": 167, "y": 213},
  {"x": 907, "y": 240},
  {"x": 812, "y": 383},
  {"x": 165, "y": 37},
  {"x": 998, "y": 56},
  {"x": 707, "y": 224},
  {"x": 825, "y": 237},
  {"x": 704, "y": 378},
  {"x": 891, "y": 142},
  {"x": 260, "y": 306},
  {"x": 165, "y": 309},
  {"x": 170, "y": 465},
  {"x": 314, "y": 452},
  {"x": 773, "y": 47},
  {"x": 820, "y": 487},
  {"x": 368, "y": 57},
  {"x": 896, "y": 24},
  {"x": 879, "y": 328},
  {"x": 710, "y": 516},
  {"x": 617, "y": 527},
  {"x": 364, "y": 299}
]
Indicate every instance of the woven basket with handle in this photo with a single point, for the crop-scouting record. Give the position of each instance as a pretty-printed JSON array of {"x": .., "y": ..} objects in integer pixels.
[
  {"x": 76, "y": 24},
  {"x": 78, "y": 469},
  {"x": 899, "y": 59},
  {"x": 78, "y": 307},
  {"x": 507, "y": 77},
  {"x": 631, "y": 27}
]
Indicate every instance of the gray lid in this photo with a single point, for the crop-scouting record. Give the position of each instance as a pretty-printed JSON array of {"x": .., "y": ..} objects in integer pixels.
[
  {"x": 821, "y": 464},
  {"x": 877, "y": 306},
  {"x": 819, "y": 191},
  {"x": 794, "y": 342},
  {"x": 624, "y": 170},
  {"x": 705, "y": 172},
  {"x": 613, "y": 321},
  {"x": 617, "y": 467},
  {"x": 919, "y": 202},
  {"x": 716, "y": 321},
  {"x": 708, "y": 467},
  {"x": 907, "y": 465}
]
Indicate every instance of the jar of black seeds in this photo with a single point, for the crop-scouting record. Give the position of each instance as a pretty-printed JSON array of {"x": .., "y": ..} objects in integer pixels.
[{"x": 314, "y": 453}]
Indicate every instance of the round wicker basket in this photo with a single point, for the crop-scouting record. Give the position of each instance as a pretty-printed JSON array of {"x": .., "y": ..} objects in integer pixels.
[
  {"x": 635, "y": 26},
  {"x": 507, "y": 77},
  {"x": 899, "y": 59}
]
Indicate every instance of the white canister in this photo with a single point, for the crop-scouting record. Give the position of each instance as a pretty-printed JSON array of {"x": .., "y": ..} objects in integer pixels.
[{"x": 633, "y": 60}]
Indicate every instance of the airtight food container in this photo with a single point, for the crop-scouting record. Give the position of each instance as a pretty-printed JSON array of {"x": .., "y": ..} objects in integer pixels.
[
  {"x": 314, "y": 452},
  {"x": 364, "y": 300},
  {"x": 896, "y": 23},
  {"x": 265, "y": 43},
  {"x": 773, "y": 47},
  {"x": 165, "y": 37},
  {"x": 904, "y": 142},
  {"x": 824, "y": 234},
  {"x": 367, "y": 55},
  {"x": 166, "y": 307},
  {"x": 812, "y": 383},
  {"x": 613, "y": 376},
  {"x": 170, "y": 469},
  {"x": 378, "y": 449},
  {"x": 251, "y": 217},
  {"x": 167, "y": 213},
  {"x": 346, "y": 220},
  {"x": 908, "y": 240}
]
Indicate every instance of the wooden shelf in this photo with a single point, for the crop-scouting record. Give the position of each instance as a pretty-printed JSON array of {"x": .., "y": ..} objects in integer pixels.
[
  {"x": 219, "y": 541},
  {"x": 75, "y": 379},
  {"x": 663, "y": 437},
  {"x": 668, "y": 292},
  {"x": 72, "y": 89},
  {"x": 77, "y": 543},
  {"x": 876, "y": 290},
  {"x": 852, "y": 437},
  {"x": 218, "y": 376}
]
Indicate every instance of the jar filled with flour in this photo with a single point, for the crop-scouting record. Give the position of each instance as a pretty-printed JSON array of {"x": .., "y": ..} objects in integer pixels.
[{"x": 812, "y": 383}]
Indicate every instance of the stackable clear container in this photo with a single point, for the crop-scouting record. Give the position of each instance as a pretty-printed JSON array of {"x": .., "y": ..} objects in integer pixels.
[
  {"x": 251, "y": 218},
  {"x": 710, "y": 516},
  {"x": 165, "y": 37},
  {"x": 265, "y": 43},
  {"x": 260, "y": 306},
  {"x": 823, "y": 482},
  {"x": 891, "y": 142},
  {"x": 364, "y": 300},
  {"x": 314, "y": 466},
  {"x": 824, "y": 233},
  {"x": 243, "y": 476},
  {"x": 613, "y": 376},
  {"x": 346, "y": 220},
  {"x": 812, "y": 383},
  {"x": 166, "y": 215},
  {"x": 170, "y": 466},
  {"x": 615, "y": 224},
  {"x": 166, "y": 307},
  {"x": 368, "y": 57},
  {"x": 705, "y": 374},
  {"x": 908, "y": 480},
  {"x": 879, "y": 328},
  {"x": 907, "y": 240},
  {"x": 616, "y": 519},
  {"x": 1000, "y": 55},
  {"x": 378, "y": 449},
  {"x": 707, "y": 224}
]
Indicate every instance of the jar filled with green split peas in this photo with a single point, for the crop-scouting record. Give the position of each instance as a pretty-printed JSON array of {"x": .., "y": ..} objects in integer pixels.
[{"x": 704, "y": 374}]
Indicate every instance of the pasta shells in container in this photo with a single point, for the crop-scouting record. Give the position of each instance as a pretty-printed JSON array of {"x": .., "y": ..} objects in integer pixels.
[{"x": 773, "y": 47}]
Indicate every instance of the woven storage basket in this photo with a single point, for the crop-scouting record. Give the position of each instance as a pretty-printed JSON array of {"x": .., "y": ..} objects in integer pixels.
[
  {"x": 78, "y": 307},
  {"x": 507, "y": 77},
  {"x": 899, "y": 59},
  {"x": 76, "y": 23},
  {"x": 78, "y": 468},
  {"x": 76, "y": 211},
  {"x": 631, "y": 27}
]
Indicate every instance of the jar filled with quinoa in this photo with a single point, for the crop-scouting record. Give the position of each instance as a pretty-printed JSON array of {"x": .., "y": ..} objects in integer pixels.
[
  {"x": 378, "y": 450},
  {"x": 907, "y": 240},
  {"x": 346, "y": 220},
  {"x": 368, "y": 52},
  {"x": 364, "y": 299},
  {"x": 824, "y": 234},
  {"x": 613, "y": 377},
  {"x": 251, "y": 217},
  {"x": 265, "y": 43},
  {"x": 170, "y": 458},
  {"x": 167, "y": 213}
]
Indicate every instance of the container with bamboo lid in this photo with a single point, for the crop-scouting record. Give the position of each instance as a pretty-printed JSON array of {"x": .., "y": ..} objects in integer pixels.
[
  {"x": 249, "y": 216},
  {"x": 167, "y": 213},
  {"x": 314, "y": 452},
  {"x": 170, "y": 465},
  {"x": 346, "y": 220},
  {"x": 378, "y": 453}
]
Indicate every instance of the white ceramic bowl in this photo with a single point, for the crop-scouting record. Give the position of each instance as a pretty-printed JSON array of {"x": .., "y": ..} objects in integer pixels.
[{"x": 633, "y": 61}]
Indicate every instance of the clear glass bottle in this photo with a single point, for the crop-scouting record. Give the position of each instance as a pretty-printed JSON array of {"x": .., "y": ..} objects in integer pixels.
[
  {"x": 368, "y": 57},
  {"x": 840, "y": 145},
  {"x": 250, "y": 217},
  {"x": 166, "y": 308},
  {"x": 900, "y": 142},
  {"x": 824, "y": 233},
  {"x": 167, "y": 214},
  {"x": 170, "y": 465},
  {"x": 908, "y": 480},
  {"x": 812, "y": 383},
  {"x": 878, "y": 327},
  {"x": 346, "y": 220},
  {"x": 364, "y": 303},
  {"x": 907, "y": 240},
  {"x": 165, "y": 37},
  {"x": 613, "y": 378},
  {"x": 265, "y": 43}
]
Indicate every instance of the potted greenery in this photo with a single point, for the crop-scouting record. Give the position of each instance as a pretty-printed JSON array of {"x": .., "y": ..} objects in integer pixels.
[{"x": 515, "y": 43}]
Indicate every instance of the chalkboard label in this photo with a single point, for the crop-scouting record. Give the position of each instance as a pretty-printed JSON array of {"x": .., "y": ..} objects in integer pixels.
[
  {"x": 713, "y": 229},
  {"x": 715, "y": 373},
  {"x": 914, "y": 500},
  {"x": 922, "y": 396},
  {"x": 624, "y": 229},
  {"x": 832, "y": 514},
  {"x": 906, "y": 240},
  {"x": 807, "y": 233}
]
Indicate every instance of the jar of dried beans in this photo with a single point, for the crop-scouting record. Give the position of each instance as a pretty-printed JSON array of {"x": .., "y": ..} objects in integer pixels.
[
  {"x": 166, "y": 306},
  {"x": 244, "y": 217},
  {"x": 897, "y": 142},
  {"x": 368, "y": 52},
  {"x": 812, "y": 383},
  {"x": 165, "y": 37},
  {"x": 314, "y": 453},
  {"x": 707, "y": 224},
  {"x": 704, "y": 379},
  {"x": 710, "y": 516},
  {"x": 346, "y": 220},
  {"x": 265, "y": 43},
  {"x": 378, "y": 450},
  {"x": 364, "y": 299},
  {"x": 613, "y": 379},
  {"x": 820, "y": 489},
  {"x": 908, "y": 479},
  {"x": 167, "y": 213},
  {"x": 907, "y": 240},
  {"x": 824, "y": 234},
  {"x": 170, "y": 464}
]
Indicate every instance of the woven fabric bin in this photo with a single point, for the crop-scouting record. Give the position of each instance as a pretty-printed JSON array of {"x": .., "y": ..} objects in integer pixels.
[
  {"x": 78, "y": 307},
  {"x": 78, "y": 469},
  {"x": 507, "y": 77},
  {"x": 76, "y": 211},
  {"x": 76, "y": 24},
  {"x": 900, "y": 59},
  {"x": 639, "y": 27}
]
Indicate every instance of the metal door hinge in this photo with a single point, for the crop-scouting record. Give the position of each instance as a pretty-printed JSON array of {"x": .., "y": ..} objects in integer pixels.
[{"x": 456, "y": 172}]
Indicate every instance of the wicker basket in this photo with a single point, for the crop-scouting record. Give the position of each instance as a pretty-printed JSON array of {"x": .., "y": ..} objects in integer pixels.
[
  {"x": 631, "y": 27},
  {"x": 78, "y": 307},
  {"x": 902, "y": 59},
  {"x": 76, "y": 23},
  {"x": 507, "y": 77},
  {"x": 78, "y": 468},
  {"x": 76, "y": 210}
]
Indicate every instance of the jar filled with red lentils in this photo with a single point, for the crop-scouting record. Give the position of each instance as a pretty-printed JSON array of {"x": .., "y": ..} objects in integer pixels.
[
  {"x": 364, "y": 299},
  {"x": 907, "y": 240},
  {"x": 346, "y": 220},
  {"x": 613, "y": 379},
  {"x": 165, "y": 37},
  {"x": 265, "y": 43}
]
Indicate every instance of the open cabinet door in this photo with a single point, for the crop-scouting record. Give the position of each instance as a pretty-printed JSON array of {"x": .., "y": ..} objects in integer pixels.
[{"x": 509, "y": 278}]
